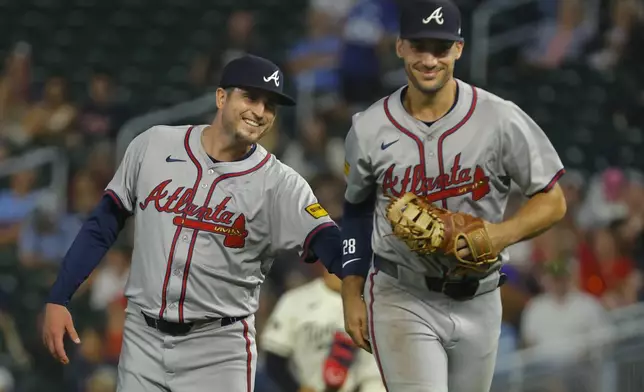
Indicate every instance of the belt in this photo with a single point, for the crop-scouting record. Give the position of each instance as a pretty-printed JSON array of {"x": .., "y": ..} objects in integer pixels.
[
  {"x": 460, "y": 290},
  {"x": 178, "y": 329}
]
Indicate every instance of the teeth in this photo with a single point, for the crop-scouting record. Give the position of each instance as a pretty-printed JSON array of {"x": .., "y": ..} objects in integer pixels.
[{"x": 251, "y": 122}]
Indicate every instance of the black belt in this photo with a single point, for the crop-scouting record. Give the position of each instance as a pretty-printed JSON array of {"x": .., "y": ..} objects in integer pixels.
[
  {"x": 178, "y": 329},
  {"x": 456, "y": 289}
]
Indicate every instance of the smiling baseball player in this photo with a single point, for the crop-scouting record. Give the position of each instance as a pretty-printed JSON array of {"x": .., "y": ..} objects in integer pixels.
[
  {"x": 212, "y": 209},
  {"x": 428, "y": 177}
]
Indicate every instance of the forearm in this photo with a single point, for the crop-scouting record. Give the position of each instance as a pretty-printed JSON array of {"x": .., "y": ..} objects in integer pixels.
[
  {"x": 327, "y": 247},
  {"x": 352, "y": 286},
  {"x": 95, "y": 238},
  {"x": 536, "y": 216},
  {"x": 357, "y": 227}
]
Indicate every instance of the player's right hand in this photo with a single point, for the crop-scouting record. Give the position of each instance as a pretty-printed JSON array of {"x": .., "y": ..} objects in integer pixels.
[
  {"x": 57, "y": 321},
  {"x": 355, "y": 312}
]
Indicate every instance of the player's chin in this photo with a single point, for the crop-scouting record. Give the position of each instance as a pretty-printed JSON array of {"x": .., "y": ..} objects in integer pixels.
[
  {"x": 431, "y": 85},
  {"x": 251, "y": 135}
]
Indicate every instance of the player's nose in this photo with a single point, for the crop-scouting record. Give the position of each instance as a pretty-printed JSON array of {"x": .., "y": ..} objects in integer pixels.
[
  {"x": 428, "y": 60},
  {"x": 258, "y": 107}
]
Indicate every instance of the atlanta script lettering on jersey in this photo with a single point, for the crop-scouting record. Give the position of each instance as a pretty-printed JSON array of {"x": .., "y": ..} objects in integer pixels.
[
  {"x": 459, "y": 181},
  {"x": 218, "y": 220}
]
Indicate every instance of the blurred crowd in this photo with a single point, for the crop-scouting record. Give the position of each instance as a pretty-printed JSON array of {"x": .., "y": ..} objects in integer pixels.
[{"x": 561, "y": 284}]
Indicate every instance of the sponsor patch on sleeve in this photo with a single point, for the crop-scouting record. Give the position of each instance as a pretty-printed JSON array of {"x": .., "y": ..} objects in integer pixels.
[
  {"x": 316, "y": 211},
  {"x": 346, "y": 168}
]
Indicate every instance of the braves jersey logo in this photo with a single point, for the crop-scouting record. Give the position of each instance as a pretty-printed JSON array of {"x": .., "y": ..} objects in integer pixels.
[
  {"x": 458, "y": 182},
  {"x": 218, "y": 220}
]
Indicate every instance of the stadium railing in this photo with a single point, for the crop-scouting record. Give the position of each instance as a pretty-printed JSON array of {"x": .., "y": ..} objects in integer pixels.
[
  {"x": 608, "y": 359},
  {"x": 39, "y": 157},
  {"x": 484, "y": 44},
  {"x": 193, "y": 108}
]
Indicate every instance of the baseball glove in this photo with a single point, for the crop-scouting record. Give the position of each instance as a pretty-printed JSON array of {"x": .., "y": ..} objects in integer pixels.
[{"x": 428, "y": 229}]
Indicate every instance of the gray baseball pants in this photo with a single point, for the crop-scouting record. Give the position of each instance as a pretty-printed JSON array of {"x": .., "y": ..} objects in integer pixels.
[
  {"x": 426, "y": 341},
  {"x": 208, "y": 358}
]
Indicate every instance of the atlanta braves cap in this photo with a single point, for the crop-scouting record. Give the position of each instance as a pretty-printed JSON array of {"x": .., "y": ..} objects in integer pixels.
[
  {"x": 438, "y": 19},
  {"x": 258, "y": 73}
]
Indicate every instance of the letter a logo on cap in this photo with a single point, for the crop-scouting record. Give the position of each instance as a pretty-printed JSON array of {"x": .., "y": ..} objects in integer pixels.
[
  {"x": 275, "y": 77},
  {"x": 437, "y": 15}
]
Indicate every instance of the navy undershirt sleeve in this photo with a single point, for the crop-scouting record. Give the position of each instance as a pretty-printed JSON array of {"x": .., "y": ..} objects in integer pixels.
[
  {"x": 357, "y": 226},
  {"x": 327, "y": 247},
  {"x": 93, "y": 241}
]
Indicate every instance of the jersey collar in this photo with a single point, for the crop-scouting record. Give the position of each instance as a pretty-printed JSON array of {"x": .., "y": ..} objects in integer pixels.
[
  {"x": 463, "y": 100},
  {"x": 250, "y": 160}
]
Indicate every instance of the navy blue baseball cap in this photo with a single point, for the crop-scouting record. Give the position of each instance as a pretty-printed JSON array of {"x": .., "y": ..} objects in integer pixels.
[
  {"x": 438, "y": 19},
  {"x": 256, "y": 72}
]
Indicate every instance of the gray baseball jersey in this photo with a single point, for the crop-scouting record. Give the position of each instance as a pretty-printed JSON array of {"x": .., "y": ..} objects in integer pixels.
[
  {"x": 206, "y": 232},
  {"x": 465, "y": 161}
]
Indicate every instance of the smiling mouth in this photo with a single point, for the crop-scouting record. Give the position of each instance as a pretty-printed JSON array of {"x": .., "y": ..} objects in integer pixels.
[
  {"x": 430, "y": 72},
  {"x": 250, "y": 122}
]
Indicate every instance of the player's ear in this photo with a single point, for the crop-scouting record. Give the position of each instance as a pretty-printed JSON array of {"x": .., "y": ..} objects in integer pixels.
[
  {"x": 220, "y": 96},
  {"x": 399, "y": 47},
  {"x": 459, "y": 49}
]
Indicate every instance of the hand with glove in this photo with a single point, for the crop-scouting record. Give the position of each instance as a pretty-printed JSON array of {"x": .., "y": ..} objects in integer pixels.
[
  {"x": 337, "y": 364},
  {"x": 428, "y": 229}
]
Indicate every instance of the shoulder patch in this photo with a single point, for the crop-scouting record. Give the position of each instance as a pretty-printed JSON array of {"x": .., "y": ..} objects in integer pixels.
[
  {"x": 347, "y": 167},
  {"x": 316, "y": 211}
]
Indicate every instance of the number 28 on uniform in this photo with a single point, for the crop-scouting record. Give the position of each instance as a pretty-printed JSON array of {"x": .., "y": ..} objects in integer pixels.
[{"x": 349, "y": 246}]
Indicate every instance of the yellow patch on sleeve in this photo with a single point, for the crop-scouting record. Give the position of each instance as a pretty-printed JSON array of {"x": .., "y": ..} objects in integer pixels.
[
  {"x": 346, "y": 168},
  {"x": 316, "y": 210}
]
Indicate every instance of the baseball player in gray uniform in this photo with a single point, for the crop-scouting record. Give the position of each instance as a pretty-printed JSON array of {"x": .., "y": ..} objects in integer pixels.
[
  {"x": 212, "y": 209},
  {"x": 459, "y": 147}
]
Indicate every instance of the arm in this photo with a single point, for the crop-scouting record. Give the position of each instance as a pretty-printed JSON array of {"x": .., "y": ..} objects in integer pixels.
[
  {"x": 357, "y": 218},
  {"x": 360, "y": 198},
  {"x": 536, "y": 216},
  {"x": 300, "y": 223},
  {"x": 356, "y": 239},
  {"x": 96, "y": 236},
  {"x": 92, "y": 242},
  {"x": 326, "y": 246},
  {"x": 532, "y": 162}
]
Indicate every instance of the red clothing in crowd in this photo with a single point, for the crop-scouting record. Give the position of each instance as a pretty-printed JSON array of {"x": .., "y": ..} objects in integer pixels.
[{"x": 597, "y": 278}]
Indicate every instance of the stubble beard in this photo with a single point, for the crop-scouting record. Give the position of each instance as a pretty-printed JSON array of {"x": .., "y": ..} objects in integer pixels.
[{"x": 440, "y": 83}]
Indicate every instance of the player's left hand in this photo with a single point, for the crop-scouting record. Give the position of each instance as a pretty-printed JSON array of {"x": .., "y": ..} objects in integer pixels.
[
  {"x": 355, "y": 311},
  {"x": 496, "y": 239}
]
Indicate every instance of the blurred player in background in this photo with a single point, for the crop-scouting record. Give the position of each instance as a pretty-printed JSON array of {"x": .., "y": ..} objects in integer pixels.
[{"x": 307, "y": 348}]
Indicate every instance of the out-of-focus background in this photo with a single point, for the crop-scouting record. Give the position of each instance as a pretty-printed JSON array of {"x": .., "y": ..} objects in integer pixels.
[{"x": 81, "y": 78}]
